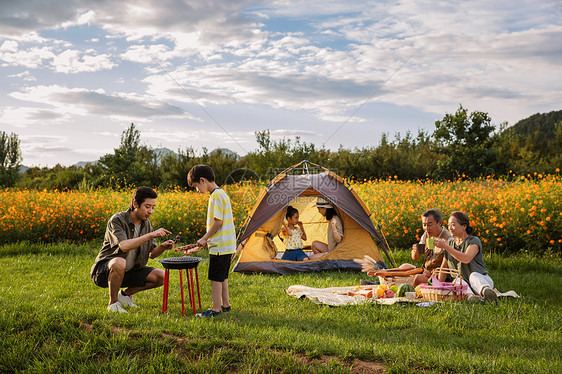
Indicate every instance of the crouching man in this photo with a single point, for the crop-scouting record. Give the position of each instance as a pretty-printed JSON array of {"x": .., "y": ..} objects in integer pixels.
[{"x": 128, "y": 243}]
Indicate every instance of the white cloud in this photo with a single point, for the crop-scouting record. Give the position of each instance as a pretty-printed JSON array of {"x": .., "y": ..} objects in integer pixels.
[
  {"x": 25, "y": 116},
  {"x": 145, "y": 54},
  {"x": 12, "y": 55},
  {"x": 79, "y": 101},
  {"x": 73, "y": 61},
  {"x": 25, "y": 75},
  {"x": 316, "y": 59},
  {"x": 107, "y": 133}
]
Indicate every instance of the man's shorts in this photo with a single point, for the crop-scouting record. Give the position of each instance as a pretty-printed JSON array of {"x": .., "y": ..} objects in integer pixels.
[
  {"x": 219, "y": 266},
  {"x": 294, "y": 255},
  {"x": 132, "y": 278}
]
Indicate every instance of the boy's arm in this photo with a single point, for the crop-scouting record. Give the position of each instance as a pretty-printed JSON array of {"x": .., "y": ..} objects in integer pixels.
[{"x": 217, "y": 223}]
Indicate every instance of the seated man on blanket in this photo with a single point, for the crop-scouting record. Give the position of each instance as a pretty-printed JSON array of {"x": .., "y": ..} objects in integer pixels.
[{"x": 432, "y": 223}]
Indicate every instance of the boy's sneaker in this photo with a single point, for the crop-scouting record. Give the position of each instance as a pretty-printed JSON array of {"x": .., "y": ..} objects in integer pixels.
[
  {"x": 209, "y": 313},
  {"x": 490, "y": 296},
  {"x": 126, "y": 300},
  {"x": 116, "y": 307},
  {"x": 226, "y": 308}
]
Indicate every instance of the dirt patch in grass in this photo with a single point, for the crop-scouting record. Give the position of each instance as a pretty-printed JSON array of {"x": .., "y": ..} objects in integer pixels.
[
  {"x": 88, "y": 327},
  {"x": 367, "y": 367},
  {"x": 355, "y": 367}
]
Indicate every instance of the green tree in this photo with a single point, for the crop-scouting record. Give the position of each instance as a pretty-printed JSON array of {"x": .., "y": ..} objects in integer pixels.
[
  {"x": 532, "y": 144},
  {"x": 130, "y": 164},
  {"x": 10, "y": 159},
  {"x": 466, "y": 141},
  {"x": 273, "y": 156}
]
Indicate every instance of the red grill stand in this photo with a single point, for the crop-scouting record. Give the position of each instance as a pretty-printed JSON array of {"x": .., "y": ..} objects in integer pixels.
[{"x": 190, "y": 285}]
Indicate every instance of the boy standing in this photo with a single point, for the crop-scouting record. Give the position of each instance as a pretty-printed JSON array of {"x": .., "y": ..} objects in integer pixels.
[{"x": 220, "y": 237}]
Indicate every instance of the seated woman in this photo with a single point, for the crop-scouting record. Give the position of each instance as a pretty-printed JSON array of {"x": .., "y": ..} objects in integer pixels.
[
  {"x": 464, "y": 253},
  {"x": 293, "y": 234},
  {"x": 334, "y": 232}
]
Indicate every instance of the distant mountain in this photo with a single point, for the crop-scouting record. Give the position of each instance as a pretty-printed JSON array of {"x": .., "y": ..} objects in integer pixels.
[
  {"x": 540, "y": 125},
  {"x": 225, "y": 151},
  {"x": 162, "y": 152},
  {"x": 82, "y": 164}
]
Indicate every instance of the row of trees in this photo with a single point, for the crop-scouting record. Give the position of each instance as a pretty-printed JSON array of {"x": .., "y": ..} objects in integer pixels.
[{"x": 462, "y": 144}]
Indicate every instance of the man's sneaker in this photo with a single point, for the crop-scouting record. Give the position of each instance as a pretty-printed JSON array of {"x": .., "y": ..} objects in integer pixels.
[
  {"x": 209, "y": 313},
  {"x": 126, "y": 300},
  {"x": 116, "y": 307},
  {"x": 490, "y": 296},
  {"x": 226, "y": 308},
  {"x": 365, "y": 282}
]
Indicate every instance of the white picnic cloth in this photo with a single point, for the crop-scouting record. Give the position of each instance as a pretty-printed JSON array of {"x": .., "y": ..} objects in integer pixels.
[
  {"x": 338, "y": 296},
  {"x": 506, "y": 294}
]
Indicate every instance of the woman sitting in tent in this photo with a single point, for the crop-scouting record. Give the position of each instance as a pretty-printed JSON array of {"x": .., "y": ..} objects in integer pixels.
[
  {"x": 334, "y": 232},
  {"x": 294, "y": 234}
]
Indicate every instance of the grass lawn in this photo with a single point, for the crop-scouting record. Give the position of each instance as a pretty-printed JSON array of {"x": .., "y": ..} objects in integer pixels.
[{"x": 54, "y": 319}]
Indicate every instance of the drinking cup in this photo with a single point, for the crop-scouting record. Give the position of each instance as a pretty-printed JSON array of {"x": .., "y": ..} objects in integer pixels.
[{"x": 430, "y": 243}]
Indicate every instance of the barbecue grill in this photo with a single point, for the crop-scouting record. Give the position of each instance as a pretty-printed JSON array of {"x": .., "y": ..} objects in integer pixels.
[
  {"x": 184, "y": 262},
  {"x": 180, "y": 263}
]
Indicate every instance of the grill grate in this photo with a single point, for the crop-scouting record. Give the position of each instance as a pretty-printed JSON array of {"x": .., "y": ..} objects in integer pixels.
[{"x": 180, "y": 262}]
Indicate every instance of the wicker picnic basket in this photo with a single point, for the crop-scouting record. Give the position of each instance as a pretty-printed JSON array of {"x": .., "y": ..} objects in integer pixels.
[{"x": 443, "y": 291}]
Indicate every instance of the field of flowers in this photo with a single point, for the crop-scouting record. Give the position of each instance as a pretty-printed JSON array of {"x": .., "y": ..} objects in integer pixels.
[{"x": 510, "y": 216}]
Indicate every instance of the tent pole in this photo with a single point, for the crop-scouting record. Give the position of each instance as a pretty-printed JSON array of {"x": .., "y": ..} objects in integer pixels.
[{"x": 392, "y": 261}]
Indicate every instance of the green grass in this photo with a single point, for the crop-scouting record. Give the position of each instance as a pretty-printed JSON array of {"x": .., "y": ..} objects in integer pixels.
[{"x": 53, "y": 319}]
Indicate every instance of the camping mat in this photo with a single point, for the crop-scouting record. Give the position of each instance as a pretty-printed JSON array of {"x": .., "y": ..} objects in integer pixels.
[{"x": 338, "y": 296}]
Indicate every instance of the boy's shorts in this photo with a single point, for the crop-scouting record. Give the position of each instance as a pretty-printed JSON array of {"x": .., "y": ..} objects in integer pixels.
[
  {"x": 219, "y": 266},
  {"x": 294, "y": 255},
  {"x": 132, "y": 278}
]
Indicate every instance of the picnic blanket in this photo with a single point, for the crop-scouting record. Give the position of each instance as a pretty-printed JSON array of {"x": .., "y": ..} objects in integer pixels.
[{"x": 339, "y": 296}]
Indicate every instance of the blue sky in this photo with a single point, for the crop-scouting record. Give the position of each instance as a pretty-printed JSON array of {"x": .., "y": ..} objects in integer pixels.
[{"x": 210, "y": 73}]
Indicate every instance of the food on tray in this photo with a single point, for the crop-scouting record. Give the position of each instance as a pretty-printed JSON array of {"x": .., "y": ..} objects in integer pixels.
[
  {"x": 365, "y": 293},
  {"x": 388, "y": 294}
]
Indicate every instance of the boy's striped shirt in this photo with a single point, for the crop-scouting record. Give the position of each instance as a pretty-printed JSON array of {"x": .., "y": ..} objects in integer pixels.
[{"x": 224, "y": 240}]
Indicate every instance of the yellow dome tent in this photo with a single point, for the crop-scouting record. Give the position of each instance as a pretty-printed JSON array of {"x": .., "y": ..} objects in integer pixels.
[{"x": 300, "y": 185}]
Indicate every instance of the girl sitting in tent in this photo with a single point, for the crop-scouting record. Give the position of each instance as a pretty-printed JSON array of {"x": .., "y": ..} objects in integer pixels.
[
  {"x": 334, "y": 232},
  {"x": 294, "y": 234}
]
